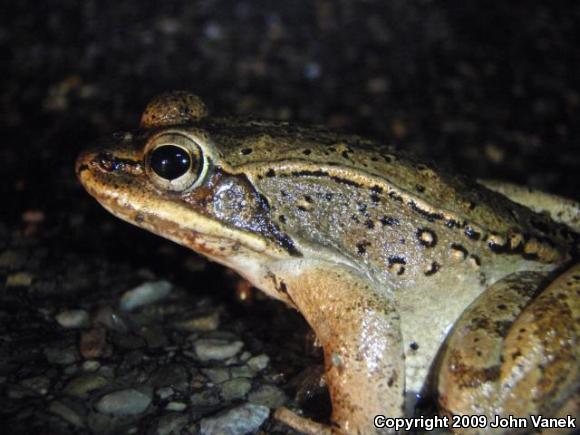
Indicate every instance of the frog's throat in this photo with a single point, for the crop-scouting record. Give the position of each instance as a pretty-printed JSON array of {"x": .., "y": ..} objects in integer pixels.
[{"x": 184, "y": 226}]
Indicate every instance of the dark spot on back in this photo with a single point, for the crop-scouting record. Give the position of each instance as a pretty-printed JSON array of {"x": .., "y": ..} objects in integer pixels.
[
  {"x": 395, "y": 196},
  {"x": 361, "y": 247},
  {"x": 433, "y": 269},
  {"x": 452, "y": 223},
  {"x": 388, "y": 220},
  {"x": 247, "y": 151},
  {"x": 496, "y": 247},
  {"x": 426, "y": 237},
  {"x": 396, "y": 259},
  {"x": 460, "y": 248},
  {"x": 472, "y": 234}
]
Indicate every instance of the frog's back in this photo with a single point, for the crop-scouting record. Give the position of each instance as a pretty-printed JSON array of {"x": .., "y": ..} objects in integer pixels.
[{"x": 434, "y": 195}]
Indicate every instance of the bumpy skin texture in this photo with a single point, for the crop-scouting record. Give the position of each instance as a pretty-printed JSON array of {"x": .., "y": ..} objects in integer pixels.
[{"x": 381, "y": 254}]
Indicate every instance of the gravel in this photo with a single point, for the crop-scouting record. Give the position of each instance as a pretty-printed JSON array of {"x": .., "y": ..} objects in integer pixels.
[
  {"x": 145, "y": 294},
  {"x": 240, "y": 420},
  {"x": 124, "y": 402},
  {"x": 216, "y": 349}
]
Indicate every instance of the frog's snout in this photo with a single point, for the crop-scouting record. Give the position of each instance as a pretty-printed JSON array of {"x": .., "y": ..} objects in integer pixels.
[
  {"x": 110, "y": 159},
  {"x": 84, "y": 161}
]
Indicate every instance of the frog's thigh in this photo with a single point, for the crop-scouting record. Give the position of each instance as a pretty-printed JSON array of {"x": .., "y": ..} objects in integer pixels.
[
  {"x": 563, "y": 210},
  {"x": 541, "y": 351},
  {"x": 509, "y": 346},
  {"x": 359, "y": 331}
]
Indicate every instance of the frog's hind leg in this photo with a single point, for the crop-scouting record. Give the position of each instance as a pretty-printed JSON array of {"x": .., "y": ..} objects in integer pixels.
[
  {"x": 515, "y": 350},
  {"x": 563, "y": 210}
]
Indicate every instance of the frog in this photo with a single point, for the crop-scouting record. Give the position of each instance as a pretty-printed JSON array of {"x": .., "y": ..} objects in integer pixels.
[{"x": 416, "y": 281}]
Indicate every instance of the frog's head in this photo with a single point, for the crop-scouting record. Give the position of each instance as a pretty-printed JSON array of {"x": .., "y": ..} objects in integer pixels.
[{"x": 170, "y": 178}]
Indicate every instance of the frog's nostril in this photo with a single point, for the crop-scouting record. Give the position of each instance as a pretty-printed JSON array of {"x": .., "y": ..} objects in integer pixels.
[
  {"x": 106, "y": 162},
  {"x": 83, "y": 161}
]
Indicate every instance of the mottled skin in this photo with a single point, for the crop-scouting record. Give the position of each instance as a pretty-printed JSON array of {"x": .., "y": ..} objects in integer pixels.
[{"x": 382, "y": 255}]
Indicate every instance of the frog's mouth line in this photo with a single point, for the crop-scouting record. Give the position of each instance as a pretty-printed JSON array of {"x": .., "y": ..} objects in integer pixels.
[{"x": 179, "y": 224}]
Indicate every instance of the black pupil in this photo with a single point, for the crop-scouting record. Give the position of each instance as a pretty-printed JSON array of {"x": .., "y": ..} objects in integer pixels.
[{"x": 170, "y": 162}]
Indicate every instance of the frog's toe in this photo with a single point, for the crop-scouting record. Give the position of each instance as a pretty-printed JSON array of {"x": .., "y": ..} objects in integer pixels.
[{"x": 302, "y": 424}]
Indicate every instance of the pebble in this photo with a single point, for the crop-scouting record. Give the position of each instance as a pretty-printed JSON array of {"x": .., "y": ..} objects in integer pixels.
[
  {"x": 235, "y": 389},
  {"x": 217, "y": 375},
  {"x": 124, "y": 402},
  {"x": 171, "y": 424},
  {"x": 216, "y": 349},
  {"x": 154, "y": 336},
  {"x": 73, "y": 319},
  {"x": 205, "y": 398},
  {"x": 17, "y": 392},
  {"x": 38, "y": 384},
  {"x": 236, "y": 421},
  {"x": 12, "y": 259},
  {"x": 165, "y": 392},
  {"x": 175, "y": 406},
  {"x": 91, "y": 365},
  {"x": 19, "y": 279},
  {"x": 94, "y": 343},
  {"x": 128, "y": 341},
  {"x": 207, "y": 322},
  {"x": 171, "y": 375},
  {"x": 259, "y": 362},
  {"x": 109, "y": 318},
  {"x": 245, "y": 356},
  {"x": 145, "y": 294},
  {"x": 268, "y": 395},
  {"x": 67, "y": 414},
  {"x": 242, "y": 372},
  {"x": 61, "y": 356},
  {"x": 71, "y": 370},
  {"x": 84, "y": 384}
]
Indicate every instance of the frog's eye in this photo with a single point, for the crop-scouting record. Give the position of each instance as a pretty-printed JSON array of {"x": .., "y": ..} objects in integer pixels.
[
  {"x": 169, "y": 161},
  {"x": 174, "y": 162}
]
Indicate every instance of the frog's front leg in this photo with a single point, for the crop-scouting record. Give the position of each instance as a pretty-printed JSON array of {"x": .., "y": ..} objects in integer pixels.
[
  {"x": 358, "y": 328},
  {"x": 515, "y": 350}
]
